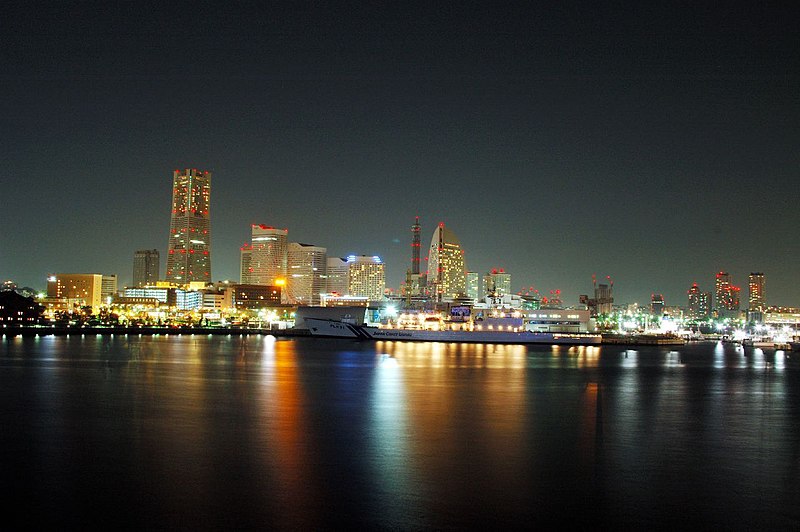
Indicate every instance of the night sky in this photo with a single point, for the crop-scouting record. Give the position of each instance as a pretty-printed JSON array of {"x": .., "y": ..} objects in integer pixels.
[{"x": 656, "y": 145}]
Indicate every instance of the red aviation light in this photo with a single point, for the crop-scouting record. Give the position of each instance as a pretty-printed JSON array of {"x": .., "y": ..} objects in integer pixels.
[
  {"x": 205, "y": 253},
  {"x": 171, "y": 251},
  {"x": 441, "y": 224}
]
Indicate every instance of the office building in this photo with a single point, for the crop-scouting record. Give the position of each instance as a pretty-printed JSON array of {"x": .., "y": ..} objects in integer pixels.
[
  {"x": 473, "y": 287},
  {"x": 305, "y": 275},
  {"x": 496, "y": 282},
  {"x": 264, "y": 259},
  {"x": 337, "y": 276},
  {"x": 757, "y": 301},
  {"x": 189, "y": 249},
  {"x": 656, "y": 304},
  {"x": 446, "y": 270},
  {"x": 146, "y": 267},
  {"x": 108, "y": 288}
]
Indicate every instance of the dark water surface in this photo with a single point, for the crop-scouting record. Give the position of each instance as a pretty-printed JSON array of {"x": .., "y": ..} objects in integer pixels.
[{"x": 199, "y": 432}]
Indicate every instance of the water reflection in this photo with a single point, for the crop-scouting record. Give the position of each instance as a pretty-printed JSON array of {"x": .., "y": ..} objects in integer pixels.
[{"x": 259, "y": 432}]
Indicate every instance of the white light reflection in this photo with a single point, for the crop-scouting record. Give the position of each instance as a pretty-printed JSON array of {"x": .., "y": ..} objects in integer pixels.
[
  {"x": 630, "y": 358},
  {"x": 389, "y": 435}
]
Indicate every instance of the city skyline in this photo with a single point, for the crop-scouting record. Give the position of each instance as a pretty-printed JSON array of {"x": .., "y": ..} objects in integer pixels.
[{"x": 654, "y": 145}]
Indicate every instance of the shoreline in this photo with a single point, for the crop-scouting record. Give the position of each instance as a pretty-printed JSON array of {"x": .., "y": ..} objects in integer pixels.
[{"x": 147, "y": 331}]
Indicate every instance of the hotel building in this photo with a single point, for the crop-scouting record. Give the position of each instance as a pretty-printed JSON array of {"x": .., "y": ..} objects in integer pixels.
[{"x": 446, "y": 271}]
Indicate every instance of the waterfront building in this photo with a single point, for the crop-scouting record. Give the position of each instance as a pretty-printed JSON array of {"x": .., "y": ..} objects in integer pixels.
[
  {"x": 189, "y": 249},
  {"x": 108, "y": 288},
  {"x": 473, "y": 287},
  {"x": 305, "y": 279},
  {"x": 16, "y": 309},
  {"x": 656, "y": 304},
  {"x": 146, "y": 264},
  {"x": 446, "y": 270},
  {"x": 757, "y": 301},
  {"x": 254, "y": 296},
  {"x": 497, "y": 281},
  {"x": 699, "y": 307},
  {"x": 264, "y": 259},
  {"x": 727, "y": 296},
  {"x": 366, "y": 277},
  {"x": 337, "y": 276},
  {"x": 77, "y": 289}
]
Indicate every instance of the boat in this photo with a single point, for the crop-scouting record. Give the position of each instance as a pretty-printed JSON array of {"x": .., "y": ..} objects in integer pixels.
[{"x": 462, "y": 333}]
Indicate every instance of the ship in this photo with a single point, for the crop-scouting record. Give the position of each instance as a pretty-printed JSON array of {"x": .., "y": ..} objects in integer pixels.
[{"x": 332, "y": 328}]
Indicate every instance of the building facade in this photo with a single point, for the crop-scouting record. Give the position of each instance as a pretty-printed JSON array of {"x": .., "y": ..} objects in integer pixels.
[
  {"x": 497, "y": 281},
  {"x": 366, "y": 277},
  {"x": 77, "y": 289},
  {"x": 189, "y": 249},
  {"x": 146, "y": 267},
  {"x": 446, "y": 268},
  {"x": 264, "y": 259},
  {"x": 305, "y": 276},
  {"x": 727, "y": 296},
  {"x": 757, "y": 299},
  {"x": 337, "y": 276}
]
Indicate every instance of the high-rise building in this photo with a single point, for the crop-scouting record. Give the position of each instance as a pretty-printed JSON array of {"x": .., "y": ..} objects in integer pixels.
[
  {"x": 756, "y": 297},
  {"x": 473, "y": 289},
  {"x": 264, "y": 260},
  {"x": 446, "y": 270},
  {"x": 146, "y": 263},
  {"x": 305, "y": 281},
  {"x": 337, "y": 276},
  {"x": 189, "y": 249},
  {"x": 496, "y": 282},
  {"x": 656, "y": 304},
  {"x": 78, "y": 289},
  {"x": 727, "y": 295},
  {"x": 367, "y": 277}
]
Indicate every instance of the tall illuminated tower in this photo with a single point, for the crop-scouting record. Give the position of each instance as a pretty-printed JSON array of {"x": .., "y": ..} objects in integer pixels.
[
  {"x": 189, "y": 248},
  {"x": 446, "y": 271},
  {"x": 415, "y": 247},
  {"x": 756, "y": 298}
]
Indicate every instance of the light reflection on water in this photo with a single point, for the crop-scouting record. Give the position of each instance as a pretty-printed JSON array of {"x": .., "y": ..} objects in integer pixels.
[{"x": 242, "y": 432}]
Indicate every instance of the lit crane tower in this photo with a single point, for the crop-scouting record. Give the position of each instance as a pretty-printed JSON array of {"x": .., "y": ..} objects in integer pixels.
[{"x": 415, "y": 247}]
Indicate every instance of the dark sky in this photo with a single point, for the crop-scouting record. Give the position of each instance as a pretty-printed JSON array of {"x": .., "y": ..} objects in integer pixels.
[{"x": 655, "y": 144}]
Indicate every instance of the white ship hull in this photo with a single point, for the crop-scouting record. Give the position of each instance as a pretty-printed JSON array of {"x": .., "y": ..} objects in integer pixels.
[{"x": 338, "y": 329}]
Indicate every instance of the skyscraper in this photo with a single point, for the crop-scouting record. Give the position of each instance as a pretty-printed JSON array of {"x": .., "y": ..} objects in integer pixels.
[
  {"x": 446, "y": 271},
  {"x": 264, "y": 260},
  {"x": 189, "y": 249},
  {"x": 756, "y": 294},
  {"x": 306, "y": 265},
  {"x": 145, "y": 267},
  {"x": 367, "y": 277},
  {"x": 727, "y": 295}
]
